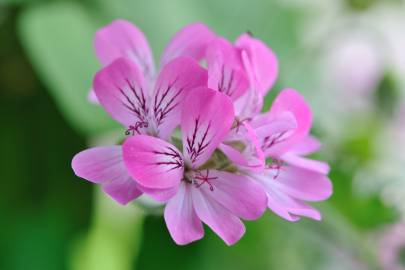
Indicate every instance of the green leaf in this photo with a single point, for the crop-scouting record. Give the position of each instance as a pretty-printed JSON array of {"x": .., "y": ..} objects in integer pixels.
[{"x": 58, "y": 39}]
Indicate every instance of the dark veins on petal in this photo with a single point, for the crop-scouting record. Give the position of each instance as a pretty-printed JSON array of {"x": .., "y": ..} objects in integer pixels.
[
  {"x": 226, "y": 87},
  {"x": 136, "y": 105},
  {"x": 163, "y": 104},
  {"x": 269, "y": 141},
  {"x": 200, "y": 179},
  {"x": 194, "y": 148},
  {"x": 175, "y": 162}
]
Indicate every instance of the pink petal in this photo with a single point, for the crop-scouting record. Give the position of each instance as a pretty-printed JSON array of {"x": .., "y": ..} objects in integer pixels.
[
  {"x": 217, "y": 217},
  {"x": 122, "y": 189},
  {"x": 161, "y": 195},
  {"x": 99, "y": 164},
  {"x": 123, "y": 39},
  {"x": 153, "y": 162},
  {"x": 120, "y": 90},
  {"x": 289, "y": 208},
  {"x": 263, "y": 61},
  {"x": 306, "y": 146},
  {"x": 306, "y": 163},
  {"x": 190, "y": 41},
  {"x": 92, "y": 97},
  {"x": 104, "y": 165},
  {"x": 241, "y": 159},
  {"x": 225, "y": 69},
  {"x": 175, "y": 80},
  {"x": 251, "y": 102},
  {"x": 266, "y": 126},
  {"x": 242, "y": 196},
  {"x": 288, "y": 187},
  {"x": 252, "y": 157},
  {"x": 273, "y": 132},
  {"x": 286, "y": 103},
  {"x": 181, "y": 220},
  {"x": 206, "y": 119},
  {"x": 303, "y": 184}
]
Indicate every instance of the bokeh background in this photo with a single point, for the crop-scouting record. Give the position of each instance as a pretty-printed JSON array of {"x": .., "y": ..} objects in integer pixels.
[{"x": 347, "y": 57}]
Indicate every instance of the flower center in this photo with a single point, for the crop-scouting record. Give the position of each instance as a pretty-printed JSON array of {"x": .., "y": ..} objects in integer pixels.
[
  {"x": 276, "y": 165},
  {"x": 198, "y": 178},
  {"x": 238, "y": 123},
  {"x": 132, "y": 129}
]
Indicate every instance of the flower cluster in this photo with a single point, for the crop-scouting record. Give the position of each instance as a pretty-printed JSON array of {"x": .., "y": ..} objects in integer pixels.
[{"x": 196, "y": 139}]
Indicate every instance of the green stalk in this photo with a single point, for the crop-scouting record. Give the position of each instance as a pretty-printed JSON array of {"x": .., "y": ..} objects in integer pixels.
[{"x": 114, "y": 238}]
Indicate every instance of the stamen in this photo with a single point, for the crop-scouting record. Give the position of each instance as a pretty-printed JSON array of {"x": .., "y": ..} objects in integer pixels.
[
  {"x": 187, "y": 180},
  {"x": 239, "y": 122},
  {"x": 135, "y": 128},
  {"x": 269, "y": 141},
  {"x": 204, "y": 179},
  {"x": 275, "y": 164}
]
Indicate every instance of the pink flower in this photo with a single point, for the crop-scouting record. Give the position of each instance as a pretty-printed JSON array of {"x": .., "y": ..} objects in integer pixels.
[
  {"x": 122, "y": 91},
  {"x": 193, "y": 193},
  {"x": 218, "y": 111},
  {"x": 289, "y": 178},
  {"x": 245, "y": 71},
  {"x": 284, "y": 132},
  {"x": 122, "y": 39},
  {"x": 126, "y": 89}
]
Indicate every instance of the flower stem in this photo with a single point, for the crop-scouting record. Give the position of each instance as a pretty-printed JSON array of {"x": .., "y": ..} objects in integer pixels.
[{"x": 114, "y": 238}]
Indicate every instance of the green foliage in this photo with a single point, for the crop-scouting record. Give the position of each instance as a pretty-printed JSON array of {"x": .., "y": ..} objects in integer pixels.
[
  {"x": 360, "y": 5},
  {"x": 58, "y": 40},
  {"x": 367, "y": 212},
  {"x": 387, "y": 95}
]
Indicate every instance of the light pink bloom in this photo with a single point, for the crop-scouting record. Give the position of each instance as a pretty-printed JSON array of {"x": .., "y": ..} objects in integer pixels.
[
  {"x": 126, "y": 88},
  {"x": 217, "y": 198},
  {"x": 283, "y": 132},
  {"x": 245, "y": 71},
  {"x": 121, "y": 90},
  {"x": 122, "y": 39},
  {"x": 261, "y": 67},
  {"x": 290, "y": 179}
]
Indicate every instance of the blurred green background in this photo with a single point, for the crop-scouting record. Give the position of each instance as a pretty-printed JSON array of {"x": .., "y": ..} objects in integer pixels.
[{"x": 347, "y": 57}]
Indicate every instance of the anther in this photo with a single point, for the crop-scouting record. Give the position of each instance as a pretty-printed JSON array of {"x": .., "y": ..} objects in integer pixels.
[
  {"x": 204, "y": 179},
  {"x": 135, "y": 128},
  {"x": 276, "y": 164}
]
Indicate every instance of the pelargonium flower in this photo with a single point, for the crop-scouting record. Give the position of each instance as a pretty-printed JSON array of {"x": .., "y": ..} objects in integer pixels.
[
  {"x": 245, "y": 71},
  {"x": 289, "y": 178},
  {"x": 280, "y": 136},
  {"x": 232, "y": 161},
  {"x": 126, "y": 90},
  {"x": 283, "y": 132},
  {"x": 193, "y": 192},
  {"x": 122, "y": 39}
]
